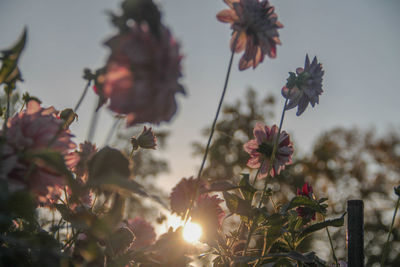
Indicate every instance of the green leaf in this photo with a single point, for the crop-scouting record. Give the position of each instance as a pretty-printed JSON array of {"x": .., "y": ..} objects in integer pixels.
[
  {"x": 10, "y": 60},
  {"x": 237, "y": 205},
  {"x": 56, "y": 161},
  {"x": 338, "y": 222},
  {"x": 115, "y": 182},
  {"x": 106, "y": 161},
  {"x": 220, "y": 186},
  {"x": 301, "y": 201},
  {"x": 52, "y": 158},
  {"x": 246, "y": 189}
]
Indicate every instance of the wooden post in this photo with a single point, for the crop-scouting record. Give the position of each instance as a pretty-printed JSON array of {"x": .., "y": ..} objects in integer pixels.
[{"x": 355, "y": 233}]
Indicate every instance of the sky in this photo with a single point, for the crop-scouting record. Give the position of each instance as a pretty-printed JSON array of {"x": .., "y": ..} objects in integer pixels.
[{"x": 356, "y": 41}]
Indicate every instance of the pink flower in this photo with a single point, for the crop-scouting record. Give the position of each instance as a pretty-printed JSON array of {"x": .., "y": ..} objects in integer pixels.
[
  {"x": 306, "y": 191},
  {"x": 260, "y": 150},
  {"x": 209, "y": 214},
  {"x": 143, "y": 231},
  {"x": 182, "y": 195},
  {"x": 208, "y": 211},
  {"x": 255, "y": 26},
  {"x": 142, "y": 74},
  {"x": 31, "y": 130},
  {"x": 79, "y": 159}
]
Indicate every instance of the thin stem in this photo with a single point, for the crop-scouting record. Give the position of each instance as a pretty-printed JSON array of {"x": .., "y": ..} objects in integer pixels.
[
  {"x": 111, "y": 131},
  {"x": 268, "y": 172},
  {"x": 385, "y": 249},
  {"x": 7, "y": 114},
  {"x": 82, "y": 96},
  {"x": 330, "y": 242},
  {"x": 218, "y": 110},
  {"x": 93, "y": 123},
  {"x": 72, "y": 114}
]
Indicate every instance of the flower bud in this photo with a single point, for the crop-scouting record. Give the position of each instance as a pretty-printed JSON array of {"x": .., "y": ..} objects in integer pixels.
[{"x": 146, "y": 139}]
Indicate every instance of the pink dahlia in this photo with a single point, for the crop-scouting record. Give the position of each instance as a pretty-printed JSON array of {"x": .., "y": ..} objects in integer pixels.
[
  {"x": 183, "y": 194},
  {"x": 208, "y": 211},
  {"x": 143, "y": 231},
  {"x": 306, "y": 191},
  {"x": 260, "y": 150},
  {"x": 255, "y": 27},
  {"x": 209, "y": 214},
  {"x": 142, "y": 74},
  {"x": 31, "y": 130}
]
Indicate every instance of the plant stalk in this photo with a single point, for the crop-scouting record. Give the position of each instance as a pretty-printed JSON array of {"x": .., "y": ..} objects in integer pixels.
[{"x": 385, "y": 248}]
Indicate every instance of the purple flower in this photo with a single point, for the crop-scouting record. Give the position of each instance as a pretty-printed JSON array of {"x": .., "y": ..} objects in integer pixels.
[
  {"x": 255, "y": 26},
  {"x": 305, "y": 86},
  {"x": 260, "y": 150}
]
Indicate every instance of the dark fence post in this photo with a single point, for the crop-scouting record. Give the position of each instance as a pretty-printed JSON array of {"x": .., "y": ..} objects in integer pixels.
[{"x": 355, "y": 233}]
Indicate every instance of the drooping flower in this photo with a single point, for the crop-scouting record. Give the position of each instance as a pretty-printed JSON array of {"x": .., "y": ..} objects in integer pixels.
[
  {"x": 306, "y": 191},
  {"x": 142, "y": 74},
  {"x": 31, "y": 130},
  {"x": 143, "y": 231},
  {"x": 183, "y": 194},
  {"x": 305, "y": 86},
  {"x": 261, "y": 148},
  {"x": 146, "y": 139},
  {"x": 255, "y": 29}
]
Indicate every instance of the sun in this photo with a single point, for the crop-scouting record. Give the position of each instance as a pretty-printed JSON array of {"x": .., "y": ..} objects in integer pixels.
[{"x": 191, "y": 231}]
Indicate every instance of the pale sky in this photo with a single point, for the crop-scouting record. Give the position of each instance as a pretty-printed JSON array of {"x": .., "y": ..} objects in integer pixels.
[{"x": 357, "y": 41}]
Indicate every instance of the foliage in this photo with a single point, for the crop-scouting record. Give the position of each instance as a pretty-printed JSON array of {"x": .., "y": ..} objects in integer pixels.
[{"x": 68, "y": 205}]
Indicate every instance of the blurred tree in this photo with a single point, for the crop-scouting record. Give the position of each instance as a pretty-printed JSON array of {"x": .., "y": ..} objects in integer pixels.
[{"x": 344, "y": 164}]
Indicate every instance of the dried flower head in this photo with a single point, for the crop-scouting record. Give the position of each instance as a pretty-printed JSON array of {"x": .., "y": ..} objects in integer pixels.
[
  {"x": 261, "y": 148},
  {"x": 306, "y": 191},
  {"x": 208, "y": 211},
  {"x": 305, "y": 86},
  {"x": 146, "y": 139},
  {"x": 31, "y": 130},
  {"x": 182, "y": 195},
  {"x": 255, "y": 29},
  {"x": 143, "y": 231},
  {"x": 142, "y": 74}
]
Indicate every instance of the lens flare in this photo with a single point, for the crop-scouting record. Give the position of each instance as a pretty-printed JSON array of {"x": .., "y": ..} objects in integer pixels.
[{"x": 192, "y": 232}]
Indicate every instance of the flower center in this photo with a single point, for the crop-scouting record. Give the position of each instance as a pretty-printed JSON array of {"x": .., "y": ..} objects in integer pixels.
[{"x": 265, "y": 149}]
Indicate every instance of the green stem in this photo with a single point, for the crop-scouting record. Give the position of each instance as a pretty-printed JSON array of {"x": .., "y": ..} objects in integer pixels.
[
  {"x": 221, "y": 100},
  {"x": 93, "y": 123},
  {"x": 332, "y": 248},
  {"x": 111, "y": 131},
  {"x": 385, "y": 249},
  {"x": 268, "y": 172},
  {"x": 82, "y": 96}
]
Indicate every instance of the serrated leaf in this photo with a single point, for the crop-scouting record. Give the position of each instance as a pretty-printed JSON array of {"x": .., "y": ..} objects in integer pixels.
[
  {"x": 338, "y": 222},
  {"x": 246, "y": 189},
  {"x": 237, "y": 205},
  {"x": 11, "y": 57}
]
